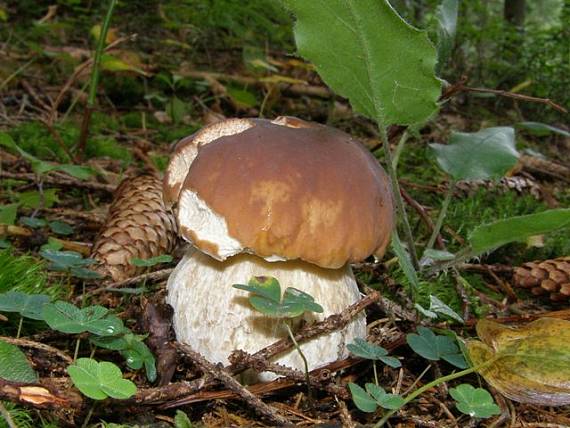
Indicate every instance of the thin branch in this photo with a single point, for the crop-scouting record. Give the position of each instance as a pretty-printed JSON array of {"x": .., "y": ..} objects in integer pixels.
[
  {"x": 515, "y": 96},
  {"x": 226, "y": 378},
  {"x": 37, "y": 345},
  {"x": 64, "y": 182}
]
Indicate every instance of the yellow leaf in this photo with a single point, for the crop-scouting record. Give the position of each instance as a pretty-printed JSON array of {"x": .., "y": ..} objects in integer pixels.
[
  {"x": 533, "y": 364},
  {"x": 3, "y": 15}
]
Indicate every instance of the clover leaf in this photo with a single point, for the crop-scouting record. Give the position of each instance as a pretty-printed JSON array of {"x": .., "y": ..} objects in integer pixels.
[
  {"x": 14, "y": 365},
  {"x": 368, "y": 400},
  {"x": 435, "y": 347},
  {"x": 266, "y": 298},
  {"x": 67, "y": 318},
  {"x": 99, "y": 380},
  {"x": 370, "y": 351},
  {"x": 27, "y": 305},
  {"x": 475, "y": 402}
]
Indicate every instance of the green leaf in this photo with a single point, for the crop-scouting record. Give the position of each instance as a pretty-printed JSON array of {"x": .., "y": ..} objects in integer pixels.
[
  {"x": 362, "y": 348},
  {"x": 446, "y": 14},
  {"x": 181, "y": 420},
  {"x": 405, "y": 262},
  {"x": 439, "y": 307},
  {"x": 99, "y": 380},
  {"x": 517, "y": 229},
  {"x": 176, "y": 109},
  {"x": 60, "y": 227},
  {"x": 33, "y": 222},
  {"x": 52, "y": 244},
  {"x": 112, "y": 63},
  {"x": 164, "y": 258},
  {"x": 475, "y": 402},
  {"x": 384, "y": 400},
  {"x": 542, "y": 129},
  {"x": 529, "y": 364},
  {"x": 263, "y": 286},
  {"x": 365, "y": 52},
  {"x": 64, "y": 260},
  {"x": 14, "y": 365},
  {"x": 34, "y": 199},
  {"x": 361, "y": 398},
  {"x": 296, "y": 302},
  {"x": 27, "y": 305},
  {"x": 435, "y": 347},
  {"x": 67, "y": 318},
  {"x": 8, "y": 214},
  {"x": 77, "y": 171},
  {"x": 487, "y": 154},
  {"x": 242, "y": 97}
]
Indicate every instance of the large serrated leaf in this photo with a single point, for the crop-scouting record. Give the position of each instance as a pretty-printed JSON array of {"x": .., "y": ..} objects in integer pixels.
[
  {"x": 517, "y": 229},
  {"x": 365, "y": 52},
  {"x": 533, "y": 364},
  {"x": 487, "y": 154},
  {"x": 14, "y": 365}
]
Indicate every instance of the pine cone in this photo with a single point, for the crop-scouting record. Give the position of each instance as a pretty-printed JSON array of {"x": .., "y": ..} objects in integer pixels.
[
  {"x": 138, "y": 225},
  {"x": 549, "y": 276}
]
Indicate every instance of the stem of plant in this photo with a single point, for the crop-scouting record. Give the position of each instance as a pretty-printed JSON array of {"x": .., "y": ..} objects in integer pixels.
[
  {"x": 7, "y": 416},
  {"x": 397, "y": 196},
  {"x": 434, "y": 383},
  {"x": 94, "y": 80},
  {"x": 20, "y": 327},
  {"x": 375, "y": 372},
  {"x": 399, "y": 148},
  {"x": 76, "y": 352},
  {"x": 89, "y": 414},
  {"x": 442, "y": 214},
  {"x": 306, "y": 364}
]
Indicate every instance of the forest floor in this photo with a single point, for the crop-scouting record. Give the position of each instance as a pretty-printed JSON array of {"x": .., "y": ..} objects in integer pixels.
[{"x": 155, "y": 88}]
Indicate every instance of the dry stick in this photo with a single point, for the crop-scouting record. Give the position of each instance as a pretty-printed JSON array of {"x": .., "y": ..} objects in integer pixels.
[
  {"x": 515, "y": 96},
  {"x": 151, "y": 276},
  {"x": 425, "y": 217},
  {"x": 261, "y": 365},
  {"x": 226, "y": 378},
  {"x": 39, "y": 396},
  {"x": 37, "y": 345},
  {"x": 175, "y": 391},
  {"x": 59, "y": 181}
]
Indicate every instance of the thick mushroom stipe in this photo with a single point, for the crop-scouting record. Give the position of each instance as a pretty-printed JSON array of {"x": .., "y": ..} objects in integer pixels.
[{"x": 215, "y": 318}]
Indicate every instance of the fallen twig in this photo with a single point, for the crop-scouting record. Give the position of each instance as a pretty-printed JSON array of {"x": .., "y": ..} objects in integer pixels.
[
  {"x": 226, "y": 378},
  {"x": 59, "y": 181},
  {"x": 151, "y": 276},
  {"x": 39, "y": 396},
  {"x": 37, "y": 345}
]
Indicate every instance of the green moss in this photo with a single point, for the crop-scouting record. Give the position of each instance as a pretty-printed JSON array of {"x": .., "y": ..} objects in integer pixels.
[
  {"x": 107, "y": 147},
  {"x": 26, "y": 274}
]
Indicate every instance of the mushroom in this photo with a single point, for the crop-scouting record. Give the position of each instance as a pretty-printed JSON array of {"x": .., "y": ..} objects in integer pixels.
[{"x": 285, "y": 198}]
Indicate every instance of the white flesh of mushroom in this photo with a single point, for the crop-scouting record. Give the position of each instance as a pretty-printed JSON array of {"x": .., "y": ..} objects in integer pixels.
[{"x": 215, "y": 319}]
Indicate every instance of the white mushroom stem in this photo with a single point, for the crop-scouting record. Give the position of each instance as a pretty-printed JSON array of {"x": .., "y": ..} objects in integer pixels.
[{"x": 215, "y": 319}]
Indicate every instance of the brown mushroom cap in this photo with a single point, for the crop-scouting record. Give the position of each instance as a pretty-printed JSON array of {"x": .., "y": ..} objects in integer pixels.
[{"x": 288, "y": 189}]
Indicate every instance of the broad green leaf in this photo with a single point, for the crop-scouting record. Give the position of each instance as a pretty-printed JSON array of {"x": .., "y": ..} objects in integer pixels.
[
  {"x": 475, "y": 402},
  {"x": 362, "y": 348},
  {"x": 63, "y": 260},
  {"x": 35, "y": 199},
  {"x": 361, "y": 398},
  {"x": 164, "y": 258},
  {"x": 27, "y": 305},
  {"x": 242, "y": 97},
  {"x": 384, "y": 400},
  {"x": 365, "y": 52},
  {"x": 77, "y": 171},
  {"x": 14, "y": 365},
  {"x": 67, "y": 318},
  {"x": 8, "y": 214},
  {"x": 533, "y": 364},
  {"x": 263, "y": 286},
  {"x": 517, "y": 229},
  {"x": 487, "y": 154},
  {"x": 296, "y": 302},
  {"x": 435, "y": 347},
  {"x": 176, "y": 109},
  {"x": 99, "y": 380},
  {"x": 542, "y": 129},
  {"x": 446, "y": 14},
  {"x": 181, "y": 420},
  {"x": 33, "y": 222},
  {"x": 60, "y": 227}
]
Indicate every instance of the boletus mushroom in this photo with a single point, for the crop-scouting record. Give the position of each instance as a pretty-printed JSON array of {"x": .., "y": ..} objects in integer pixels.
[{"x": 285, "y": 198}]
